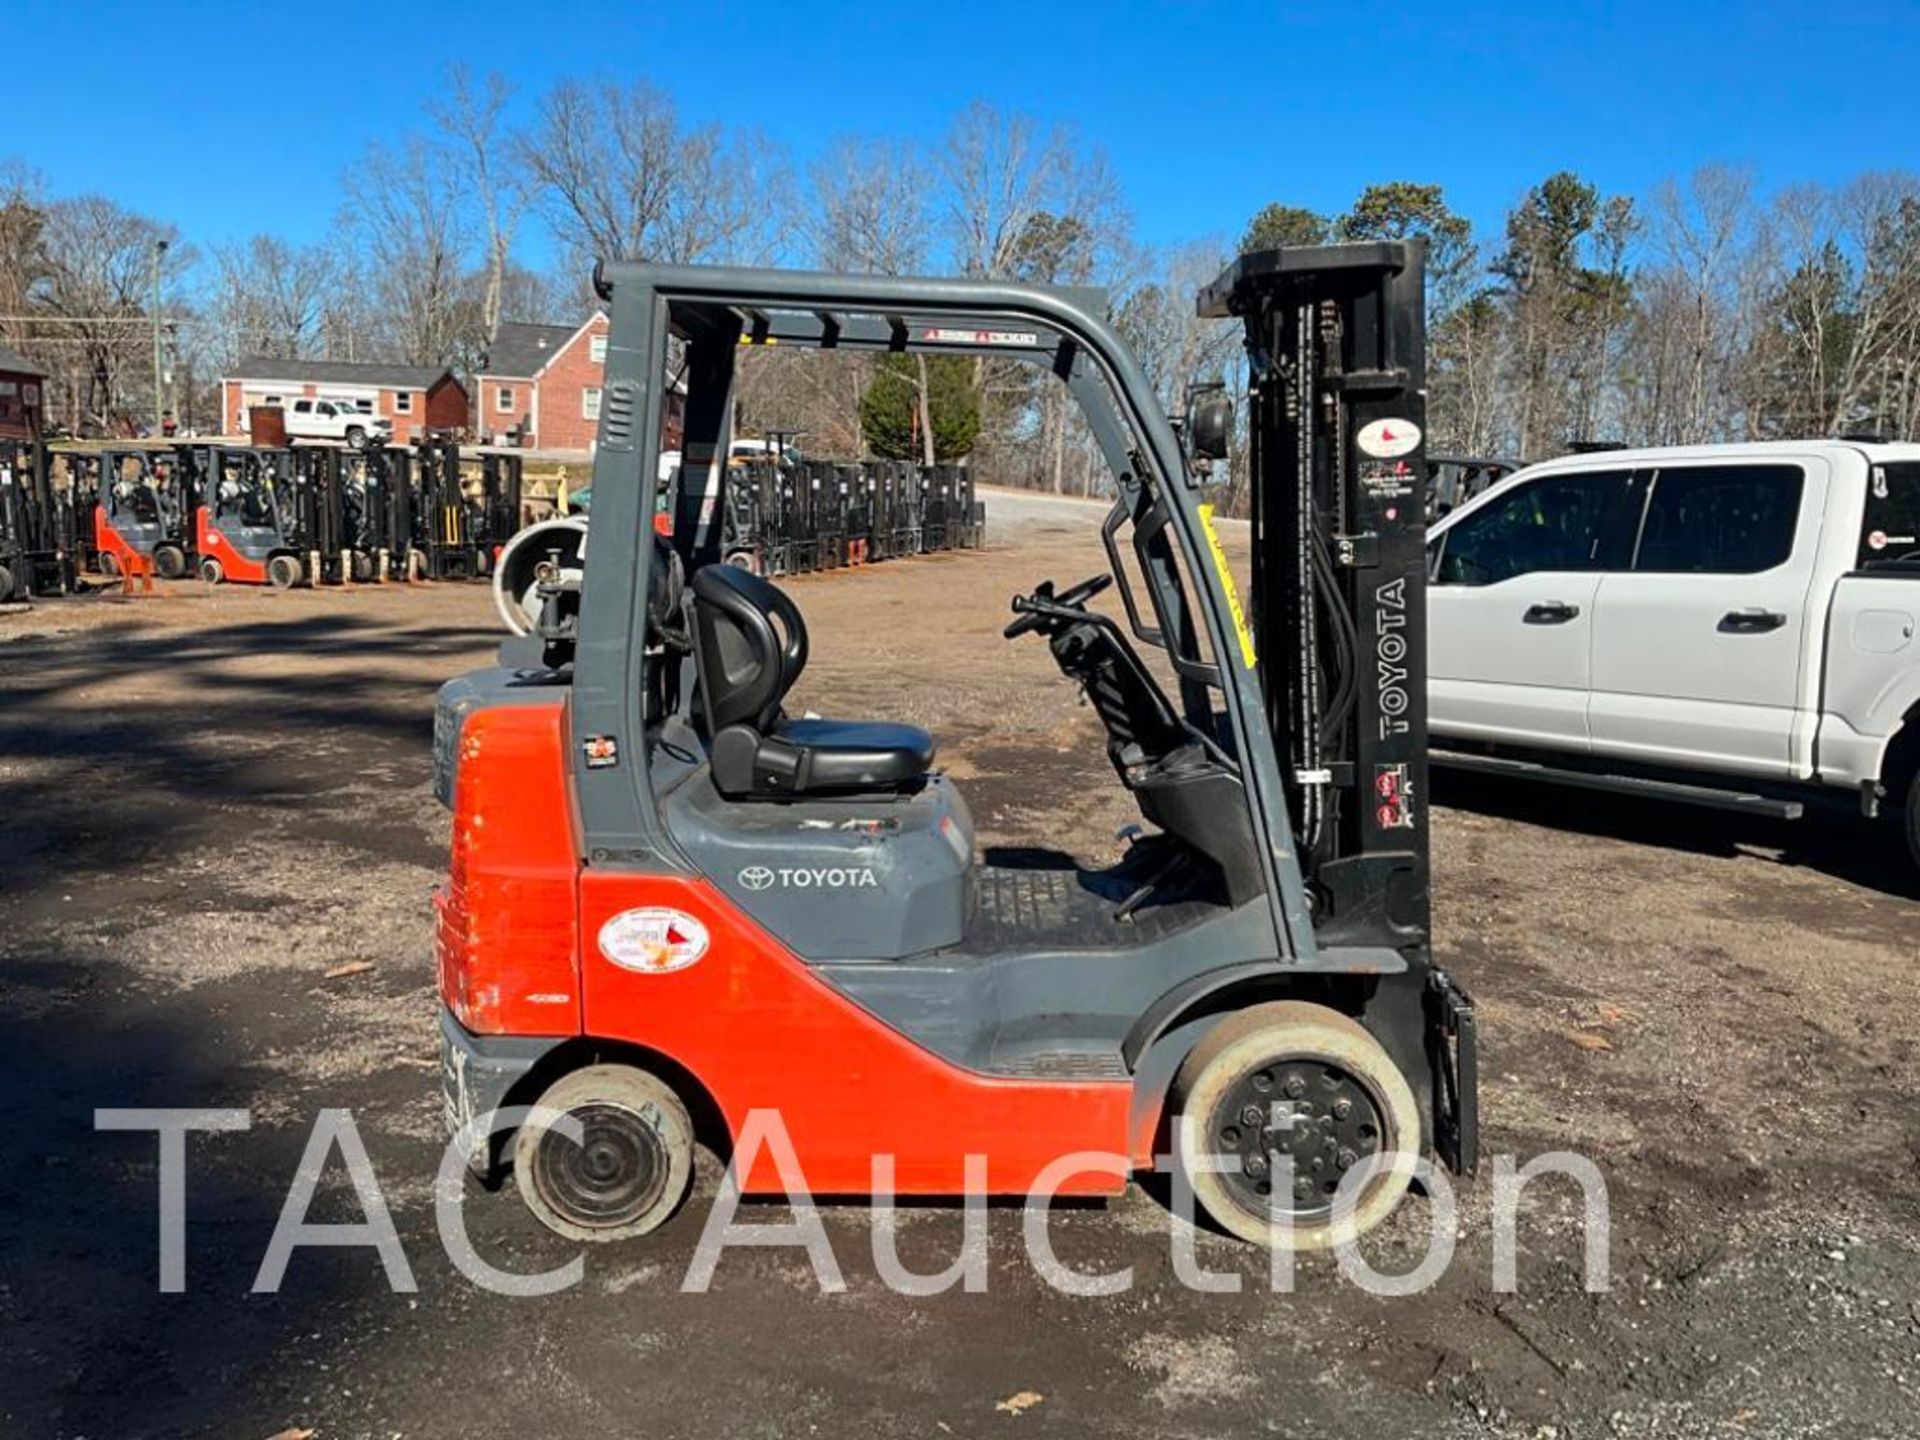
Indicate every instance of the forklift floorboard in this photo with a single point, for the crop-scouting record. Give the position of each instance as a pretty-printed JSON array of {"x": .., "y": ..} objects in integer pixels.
[{"x": 1042, "y": 900}]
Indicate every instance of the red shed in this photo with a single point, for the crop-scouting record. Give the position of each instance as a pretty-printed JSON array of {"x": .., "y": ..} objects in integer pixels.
[{"x": 22, "y": 396}]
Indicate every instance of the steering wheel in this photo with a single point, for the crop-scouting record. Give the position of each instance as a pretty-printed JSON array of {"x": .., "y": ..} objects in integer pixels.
[{"x": 1036, "y": 609}]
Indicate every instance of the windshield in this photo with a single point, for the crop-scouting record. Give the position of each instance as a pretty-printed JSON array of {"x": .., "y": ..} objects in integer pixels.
[{"x": 1890, "y": 531}]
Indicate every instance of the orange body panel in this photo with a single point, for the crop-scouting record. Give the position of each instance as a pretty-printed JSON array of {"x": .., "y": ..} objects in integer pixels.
[
  {"x": 504, "y": 923},
  {"x": 107, "y": 540},
  {"x": 209, "y": 541},
  {"x": 748, "y": 1018}
]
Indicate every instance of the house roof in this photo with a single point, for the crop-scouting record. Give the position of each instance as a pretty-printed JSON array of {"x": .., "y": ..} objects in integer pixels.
[
  {"x": 14, "y": 363},
  {"x": 341, "y": 372},
  {"x": 520, "y": 352}
]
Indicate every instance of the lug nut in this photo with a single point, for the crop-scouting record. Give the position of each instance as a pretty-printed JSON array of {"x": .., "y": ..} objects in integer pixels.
[
  {"x": 1342, "y": 1108},
  {"x": 1256, "y": 1165},
  {"x": 1345, "y": 1159},
  {"x": 1295, "y": 1087},
  {"x": 1251, "y": 1115}
]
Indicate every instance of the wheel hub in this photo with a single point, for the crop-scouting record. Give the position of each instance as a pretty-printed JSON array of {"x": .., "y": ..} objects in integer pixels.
[
  {"x": 611, "y": 1175},
  {"x": 1308, "y": 1111}
]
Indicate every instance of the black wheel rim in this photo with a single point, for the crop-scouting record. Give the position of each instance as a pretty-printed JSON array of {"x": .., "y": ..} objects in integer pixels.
[
  {"x": 614, "y": 1175},
  {"x": 1317, "y": 1113}
]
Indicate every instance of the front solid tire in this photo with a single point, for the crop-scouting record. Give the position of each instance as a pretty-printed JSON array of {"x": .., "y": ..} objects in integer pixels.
[
  {"x": 285, "y": 571},
  {"x": 109, "y": 564},
  {"x": 169, "y": 562},
  {"x": 631, "y": 1170},
  {"x": 1347, "y": 1093}
]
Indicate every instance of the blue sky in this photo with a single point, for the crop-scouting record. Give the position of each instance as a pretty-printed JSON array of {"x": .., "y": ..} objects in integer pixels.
[{"x": 227, "y": 119}]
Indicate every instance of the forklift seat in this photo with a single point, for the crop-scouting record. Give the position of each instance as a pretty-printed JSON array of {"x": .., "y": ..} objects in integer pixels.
[{"x": 750, "y": 646}]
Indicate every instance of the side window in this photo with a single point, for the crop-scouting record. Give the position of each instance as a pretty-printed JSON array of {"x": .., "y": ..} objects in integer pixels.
[
  {"x": 1721, "y": 519},
  {"x": 324, "y": 408},
  {"x": 1890, "y": 532},
  {"x": 1561, "y": 522},
  {"x": 303, "y": 407}
]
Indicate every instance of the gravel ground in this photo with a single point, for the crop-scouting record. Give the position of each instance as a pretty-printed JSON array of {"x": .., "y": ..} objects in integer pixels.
[{"x": 211, "y": 800}]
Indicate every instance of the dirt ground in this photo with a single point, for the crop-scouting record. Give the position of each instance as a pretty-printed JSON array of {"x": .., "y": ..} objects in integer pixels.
[{"x": 209, "y": 801}]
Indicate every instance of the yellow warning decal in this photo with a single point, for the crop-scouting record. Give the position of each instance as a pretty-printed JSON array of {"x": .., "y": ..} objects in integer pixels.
[{"x": 1239, "y": 615}]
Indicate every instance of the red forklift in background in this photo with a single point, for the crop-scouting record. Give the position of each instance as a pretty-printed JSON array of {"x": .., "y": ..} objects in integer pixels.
[
  {"x": 241, "y": 516},
  {"x": 672, "y": 903},
  {"x": 141, "y": 503}
]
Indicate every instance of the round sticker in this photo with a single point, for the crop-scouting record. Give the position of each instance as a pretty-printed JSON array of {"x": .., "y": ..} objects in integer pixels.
[
  {"x": 1388, "y": 439},
  {"x": 653, "y": 940},
  {"x": 1878, "y": 539}
]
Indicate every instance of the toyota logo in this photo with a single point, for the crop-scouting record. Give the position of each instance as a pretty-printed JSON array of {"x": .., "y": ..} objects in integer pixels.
[{"x": 756, "y": 877}]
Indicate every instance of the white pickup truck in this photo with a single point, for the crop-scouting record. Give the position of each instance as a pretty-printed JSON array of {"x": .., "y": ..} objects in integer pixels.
[{"x": 1727, "y": 625}]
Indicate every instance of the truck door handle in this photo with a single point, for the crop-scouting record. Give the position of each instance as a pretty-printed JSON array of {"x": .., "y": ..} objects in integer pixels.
[
  {"x": 1755, "y": 620},
  {"x": 1551, "y": 612}
]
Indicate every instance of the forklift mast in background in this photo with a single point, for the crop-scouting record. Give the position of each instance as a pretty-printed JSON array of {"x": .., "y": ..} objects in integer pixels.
[{"x": 1336, "y": 345}]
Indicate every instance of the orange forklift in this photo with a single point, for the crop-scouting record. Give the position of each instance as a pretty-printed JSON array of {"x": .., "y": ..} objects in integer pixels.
[{"x": 672, "y": 902}]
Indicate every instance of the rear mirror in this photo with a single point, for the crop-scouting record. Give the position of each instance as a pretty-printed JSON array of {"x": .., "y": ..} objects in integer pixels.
[{"x": 1210, "y": 426}]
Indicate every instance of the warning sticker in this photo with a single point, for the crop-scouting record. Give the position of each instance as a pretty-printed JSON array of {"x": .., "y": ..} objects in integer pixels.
[
  {"x": 1393, "y": 798},
  {"x": 1388, "y": 439},
  {"x": 1227, "y": 588},
  {"x": 1387, "y": 479},
  {"x": 653, "y": 940}
]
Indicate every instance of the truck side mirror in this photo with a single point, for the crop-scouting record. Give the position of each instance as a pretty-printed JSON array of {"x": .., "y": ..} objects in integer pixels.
[{"x": 1210, "y": 427}]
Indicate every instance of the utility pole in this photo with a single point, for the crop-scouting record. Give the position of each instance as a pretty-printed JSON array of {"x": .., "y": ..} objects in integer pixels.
[{"x": 159, "y": 250}]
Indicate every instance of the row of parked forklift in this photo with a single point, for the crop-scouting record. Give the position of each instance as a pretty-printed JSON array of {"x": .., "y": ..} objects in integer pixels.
[
  {"x": 251, "y": 515},
  {"x": 789, "y": 517}
]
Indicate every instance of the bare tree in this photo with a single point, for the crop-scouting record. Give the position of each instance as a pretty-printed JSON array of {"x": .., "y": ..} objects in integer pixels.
[
  {"x": 492, "y": 173},
  {"x": 870, "y": 207},
  {"x": 621, "y": 179},
  {"x": 404, "y": 205},
  {"x": 96, "y": 287},
  {"x": 268, "y": 298}
]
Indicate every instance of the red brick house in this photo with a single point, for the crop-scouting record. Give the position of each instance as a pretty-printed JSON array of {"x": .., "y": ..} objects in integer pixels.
[
  {"x": 22, "y": 396},
  {"x": 542, "y": 383},
  {"x": 413, "y": 397}
]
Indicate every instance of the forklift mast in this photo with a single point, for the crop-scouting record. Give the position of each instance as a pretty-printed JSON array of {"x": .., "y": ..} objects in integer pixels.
[{"x": 1336, "y": 349}]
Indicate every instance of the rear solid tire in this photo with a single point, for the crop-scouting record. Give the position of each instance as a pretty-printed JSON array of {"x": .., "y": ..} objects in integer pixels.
[
  {"x": 631, "y": 1172},
  {"x": 1268, "y": 1035},
  {"x": 212, "y": 571},
  {"x": 285, "y": 571},
  {"x": 360, "y": 566},
  {"x": 169, "y": 562}
]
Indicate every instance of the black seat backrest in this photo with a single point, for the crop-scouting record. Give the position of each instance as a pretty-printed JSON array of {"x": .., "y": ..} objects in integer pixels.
[{"x": 750, "y": 645}]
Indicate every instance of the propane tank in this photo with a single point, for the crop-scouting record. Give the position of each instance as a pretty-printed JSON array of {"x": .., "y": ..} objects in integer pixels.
[{"x": 553, "y": 552}]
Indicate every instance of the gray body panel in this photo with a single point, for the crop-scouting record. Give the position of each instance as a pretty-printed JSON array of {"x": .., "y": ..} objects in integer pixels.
[{"x": 867, "y": 877}]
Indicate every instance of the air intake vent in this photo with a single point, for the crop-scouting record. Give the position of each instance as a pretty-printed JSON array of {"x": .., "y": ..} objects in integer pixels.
[{"x": 616, "y": 416}]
